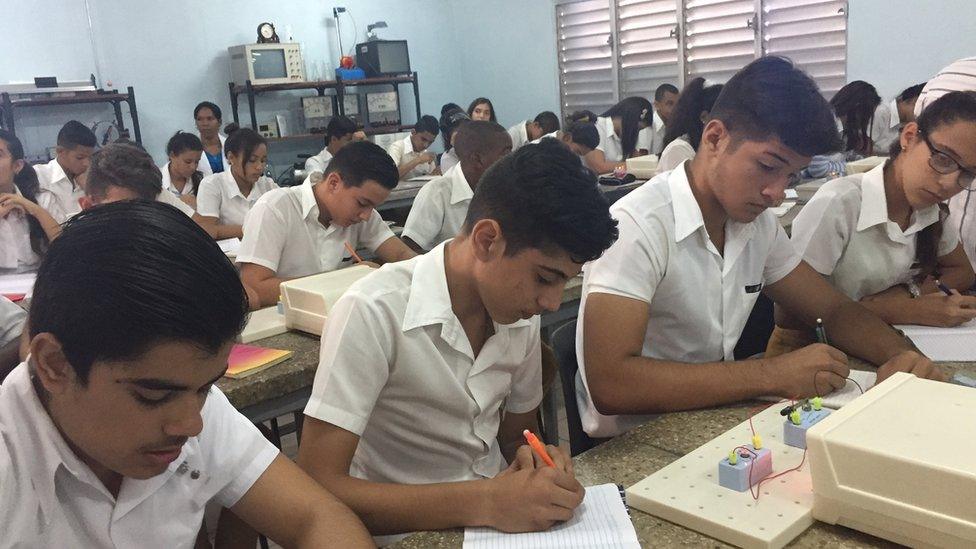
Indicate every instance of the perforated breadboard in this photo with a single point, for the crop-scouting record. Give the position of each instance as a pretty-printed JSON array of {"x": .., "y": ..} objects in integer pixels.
[{"x": 687, "y": 492}]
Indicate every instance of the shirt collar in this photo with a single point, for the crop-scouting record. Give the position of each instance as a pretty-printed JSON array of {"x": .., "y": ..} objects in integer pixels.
[
  {"x": 460, "y": 189},
  {"x": 608, "y": 128},
  {"x": 57, "y": 173},
  {"x": 408, "y": 145},
  {"x": 230, "y": 185},
  {"x": 874, "y": 206},
  {"x": 687, "y": 213},
  {"x": 657, "y": 122}
]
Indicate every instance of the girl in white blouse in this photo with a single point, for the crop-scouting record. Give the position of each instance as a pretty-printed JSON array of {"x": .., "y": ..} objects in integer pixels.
[
  {"x": 26, "y": 225},
  {"x": 686, "y": 123}
]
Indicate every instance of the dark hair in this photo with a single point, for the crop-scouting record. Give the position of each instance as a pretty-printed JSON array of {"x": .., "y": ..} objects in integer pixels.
[
  {"x": 548, "y": 122},
  {"x": 449, "y": 123},
  {"x": 950, "y": 108},
  {"x": 75, "y": 134},
  {"x": 427, "y": 123},
  {"x": 180, "y": 143},
  {"x": 126, "y": 276},
  {"x": 632, "y": 111},
  {"x": 584, "y": 133},
  {"x": 855, "y": 104},
  {"x": 243, "y": 142},
  {"x": 686, "y": 118},
  {"x": 581, "y": 116},
  {"x": 770, "y": 97},
  {"x": 208, "y": 105},
  {"x": 363, "y": 161},
  {"x": 479, "y": 136},
  {"x": 542, "y": 196},
  {"x": 339, "y": 127},
  {"x": 664, "y": 89},
  {"x": 911, "y": 93},
  {"x": 485, "y": 101},
  {"x": 26, "y": 181},
  {"x": 450, "y": 107},
  {"x": 126, "y": 166}
]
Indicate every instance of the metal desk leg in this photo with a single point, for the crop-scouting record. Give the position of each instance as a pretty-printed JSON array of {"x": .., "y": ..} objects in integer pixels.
[
  {"x": 250, "y": 105},
  {"x": 134, "y": 113},
  {"x": 119, "y": 122}
]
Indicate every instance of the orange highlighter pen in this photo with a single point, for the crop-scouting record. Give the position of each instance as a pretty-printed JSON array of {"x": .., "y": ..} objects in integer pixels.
[{"x": 538, "y": 447}]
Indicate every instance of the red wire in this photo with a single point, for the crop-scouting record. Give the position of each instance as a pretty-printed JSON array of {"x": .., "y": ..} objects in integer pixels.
[{"x": 759, "y": 484}]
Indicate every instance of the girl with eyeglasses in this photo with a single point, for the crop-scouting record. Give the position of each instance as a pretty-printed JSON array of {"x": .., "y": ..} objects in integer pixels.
[{"x": 880, "y": 237}]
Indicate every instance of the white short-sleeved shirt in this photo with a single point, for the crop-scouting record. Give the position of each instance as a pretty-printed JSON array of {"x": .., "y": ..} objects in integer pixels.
[
  {"x": 284, "y": 234},
  {"x": 168, "y": 182},
  {"x": 16, "y": 254},
  {"x": 12, "y": 319},
  {"x": 65, "y": 194},
  {"x": 397, "y": 370},
  {"x": 167, "y": 197},
  {"x": 554, "y": 135},
  {"x": 519, "y": 135},
  {"x": 699, "y": 300},
  {"x": 401, "y": 152},
  {"x": 318, "y": 163},
  {"x": 51, "y": 498},
  {"x": 220, "y": 197},
  {"x": 886, "y": 126},
  {"x": 651, "y": 138},
  {"x": 845, "y": 234},
  {"x": 439, "y": 209},
  {"x": 674, "y": 154},
  {"x": 448, "y": 160}
]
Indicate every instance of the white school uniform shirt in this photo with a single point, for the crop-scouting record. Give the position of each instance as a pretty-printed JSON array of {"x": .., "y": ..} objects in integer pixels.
[
  {"x": 651, "y": 138},
  {"x": 519, "y": 135},
  {"x": 12, "y": 319},
  {"x": 53, "y": 499},
  {"x": 439, "y": 209},
  {"x": 220, "y": 197},
  {"x": 402, "y": 152},
  {"x": 675, "y": 153},
  {"x": 284, "y": 234},
  {"x": 397, "y": 370},
  {"x": 886, "y": 127},
  {"x": 167, "y": 197},
  {"x": 554, "y": 135},
  {"x": 168, "y": 182},
  {"x": 448, "y": 160},
  {"x": 845, "y": 234},
  {"x": 16, "y": 254},
  {"x": 699, "y": 300},
  {"x": 66, "y": 194},
  {"x": 318, "y": 163},
  {"x": 204, "y": 165}
]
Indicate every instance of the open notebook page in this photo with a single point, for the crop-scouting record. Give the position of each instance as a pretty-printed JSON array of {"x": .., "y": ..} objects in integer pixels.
[
  {"x": 600, "y": 522},
  {"x": 944, "y": 344}
]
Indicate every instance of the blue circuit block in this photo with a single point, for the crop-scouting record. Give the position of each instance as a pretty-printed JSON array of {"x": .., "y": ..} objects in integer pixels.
[
  {"x": 747, "y": 471},
  {"x": 796, "y": 435}
]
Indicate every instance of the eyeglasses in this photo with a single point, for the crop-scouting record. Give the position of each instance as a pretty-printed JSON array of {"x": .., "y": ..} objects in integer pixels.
[{"x": 945, "y": 165}]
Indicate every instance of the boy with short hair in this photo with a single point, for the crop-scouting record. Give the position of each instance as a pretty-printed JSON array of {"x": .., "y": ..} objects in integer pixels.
[
  {"x": 663, "y": 309},
  {"x": 441, "y": 206},
  {"x": 526, "y": 131},
  {"x": 410, "y": 153},
  {"x": 112, "y": 433},
  {"x": 303, "y": 230},
  {"x": 430, "y": 369},
  {"x": 76, "y": 144},
  {"x": 651, "y": 138},
  {"x": 340, "y": 132}
]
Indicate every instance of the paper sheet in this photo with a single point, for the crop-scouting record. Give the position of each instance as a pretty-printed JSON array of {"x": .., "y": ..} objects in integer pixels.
[
  {"x": 601, "y": 521},
  {"x": 944, "y": 344},
  {"x": 781, "y": 210},
  {"x": 17, "y": 284},
  {"x": 866, "y": 379},
  {"x": 791, "y": 194},
  {"x": 230, "y": 246}
]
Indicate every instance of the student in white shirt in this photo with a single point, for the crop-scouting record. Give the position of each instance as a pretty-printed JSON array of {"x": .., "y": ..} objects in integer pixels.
[
  {"x": 687, "y": 121},
  {"x": 208, "y": 118},
  {"x": 180, "y": 174},
  {"x": 528, "y": 131},
  {"x": 224, "y": 199},
  {"x": 580, "y": 136},
  {"x": 340, "y": 132},
  {"x": 430, "y": 369},
  {"x": 12, "y": 320},
  {"x": 303, "y": 230},
  {"x": 439, "y": 210},
  {"x": 26, "y": 226},
  {"x": 879, "y": 237},
  {"x": 63, "y": 176},
  {"x": 112, "y": 433},
  {"x": 662, "y": 310},
  {"x": 652, "y": 137},
  {"x": 620, "y": 128},
  {"x": 410, "y": 153},
  {"x": 890, "y": 118},
  {"x": 482, "y": 109},
  {"x": 451, "y": 120},
  {"x": 854, "y": 107}
]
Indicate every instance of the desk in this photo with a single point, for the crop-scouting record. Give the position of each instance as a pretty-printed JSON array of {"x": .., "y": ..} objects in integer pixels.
[{"x": 633, "y": 456}]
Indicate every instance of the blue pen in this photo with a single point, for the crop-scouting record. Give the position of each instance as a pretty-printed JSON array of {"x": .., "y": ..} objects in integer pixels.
[{"x": 945, "y": 289}]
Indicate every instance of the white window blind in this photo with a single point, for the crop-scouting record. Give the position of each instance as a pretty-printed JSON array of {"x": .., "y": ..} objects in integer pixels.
[
  {"x": 648, "y": 37},
  {"x": 719, "y": 37},
  {"x": 587, "y": 70},
  {"x": 813, "y": 33}
]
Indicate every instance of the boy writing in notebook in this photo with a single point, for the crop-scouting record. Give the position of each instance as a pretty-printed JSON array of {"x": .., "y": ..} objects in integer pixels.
[
  {"x": 430, "y": 368},
  {"x": 662, "y": 310},
  {"x": 340, "y": 132},
  {"x": 304, "y": 230},
  {"x": 442, "y": 204},
  {"x": 62, "y": 176},
  {"x": 123, "y": 441},
  {"x": 410, "y": 153}
]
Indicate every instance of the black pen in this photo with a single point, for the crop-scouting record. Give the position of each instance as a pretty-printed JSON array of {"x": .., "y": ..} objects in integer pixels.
[{"x": 945, "y": 289}]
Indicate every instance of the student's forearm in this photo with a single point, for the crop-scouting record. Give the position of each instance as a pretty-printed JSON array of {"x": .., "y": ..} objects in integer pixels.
[
  {"x": 893, "y": 310},
  {"x": 856, "y": 330},
  {"x": 407, "y": 167},
  {"x": 50, "y": 225},
  {"x": 333, "y": 525},
  {"x": 227, "y": 231},
  {"x": 959, "y": 277},
  {"x": 269, "y": 289},
  {"x": 606, "y": 166}
]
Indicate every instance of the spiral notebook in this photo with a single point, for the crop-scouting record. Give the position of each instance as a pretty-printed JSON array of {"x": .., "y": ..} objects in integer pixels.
[{"x": 600, "y": 522}]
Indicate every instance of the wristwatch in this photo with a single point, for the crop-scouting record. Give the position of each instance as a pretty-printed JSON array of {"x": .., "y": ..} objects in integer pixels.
[{"x": 913, "y": 289}]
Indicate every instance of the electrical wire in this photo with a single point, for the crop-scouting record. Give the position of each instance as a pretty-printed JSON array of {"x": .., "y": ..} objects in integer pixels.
[{"x": 816, "y": 391}]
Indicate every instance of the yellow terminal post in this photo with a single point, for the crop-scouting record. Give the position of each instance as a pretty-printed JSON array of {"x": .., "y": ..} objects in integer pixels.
[
  {"x": 757, "y": 442},
  {"x": 795, "y": 417},
  {"x": 817, "y": 403},
  {"x": 733, "y": 457}
]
